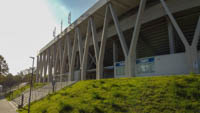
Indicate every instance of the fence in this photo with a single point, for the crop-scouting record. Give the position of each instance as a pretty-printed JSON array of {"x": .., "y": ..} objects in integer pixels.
[{"x": 39, "y": 93}]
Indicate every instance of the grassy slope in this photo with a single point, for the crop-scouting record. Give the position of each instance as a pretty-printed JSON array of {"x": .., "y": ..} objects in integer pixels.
[
  {"x": 18, "y": 92},
  {"x": 142, "y": 94}
]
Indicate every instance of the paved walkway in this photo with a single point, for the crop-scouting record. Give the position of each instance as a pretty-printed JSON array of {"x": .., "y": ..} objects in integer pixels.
[{"x": 6, "y": 107}]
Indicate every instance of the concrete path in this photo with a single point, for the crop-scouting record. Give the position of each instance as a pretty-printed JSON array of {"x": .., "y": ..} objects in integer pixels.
[{"x": 6, "y": 107}]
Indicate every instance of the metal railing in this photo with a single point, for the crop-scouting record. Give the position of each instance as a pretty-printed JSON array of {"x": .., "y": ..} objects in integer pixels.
[{"x": 39, "y": 93}]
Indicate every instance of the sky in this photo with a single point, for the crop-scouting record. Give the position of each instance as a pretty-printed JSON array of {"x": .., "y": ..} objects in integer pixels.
[{"x": 27, "y": 25}]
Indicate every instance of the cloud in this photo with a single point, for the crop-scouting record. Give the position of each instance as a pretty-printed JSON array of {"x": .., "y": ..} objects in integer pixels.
[
  {"x": 77, "y": 7},
  {"x": 25, "y": 27}
]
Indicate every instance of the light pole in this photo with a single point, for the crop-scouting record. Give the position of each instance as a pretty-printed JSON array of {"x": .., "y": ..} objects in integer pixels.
[{"x": 31, "y": 84}]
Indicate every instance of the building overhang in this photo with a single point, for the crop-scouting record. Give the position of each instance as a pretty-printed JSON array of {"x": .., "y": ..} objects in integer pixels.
[{"x": 97, "y": 11}]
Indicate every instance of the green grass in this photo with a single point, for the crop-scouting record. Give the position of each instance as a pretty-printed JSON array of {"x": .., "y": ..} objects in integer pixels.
[
  {"x": 12, "y": 95},
  {"x": 174, "y": 94}
]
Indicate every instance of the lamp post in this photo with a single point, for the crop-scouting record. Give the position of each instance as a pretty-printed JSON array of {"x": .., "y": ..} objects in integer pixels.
[{"x": 31, "y": 84}]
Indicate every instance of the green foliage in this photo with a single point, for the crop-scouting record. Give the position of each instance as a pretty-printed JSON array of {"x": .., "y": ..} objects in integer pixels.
[
  {"x": 168, "y": 94},
  {"x": 12, "y": 95},
  {"x": 3, "y": 66}
]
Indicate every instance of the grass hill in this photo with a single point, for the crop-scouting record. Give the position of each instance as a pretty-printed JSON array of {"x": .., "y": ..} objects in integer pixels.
[{"x": 169, "y": 94}]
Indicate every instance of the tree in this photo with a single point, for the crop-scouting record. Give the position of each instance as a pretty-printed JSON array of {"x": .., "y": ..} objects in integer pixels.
[{"x": 3, "y": 66}]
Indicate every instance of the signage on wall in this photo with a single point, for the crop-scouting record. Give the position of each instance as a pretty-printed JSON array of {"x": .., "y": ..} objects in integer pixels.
[
  {"x": 146, "y": 65},
  {"x": 118, "y": 64},
  {"x": 146, "y": 60},
  {"x": 119, "y": 69}
]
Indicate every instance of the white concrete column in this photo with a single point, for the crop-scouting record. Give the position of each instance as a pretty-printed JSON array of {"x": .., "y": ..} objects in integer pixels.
[
  {"x": 73, "y": 59},
  {"x": 80, "y": 47},
  {"x": 175, "y": 24},
  {"x": 69, "y": 52},
  {"x": 94, "y": 37},
  {"x": 85, "y": 54},
  {"x": 80, "y": 43},
  {"x": 191, "y": 50},
  {"x": 59, "y": 57},
  {"x": 171, "y": 37},
  {"x": 64, "y": 58},
  {"x": 50, "y": 64},
  {"x": 61, "y": 51},
  {"x": 45, "y": 65},
  {"x": 119, "y": 31},
  {"x": 40, "y": 68},
  {"x": 131, "y": 61},
  {"x": 69, "y": 48},
  {"x": 192, "y": 53},
  {"x": 53, "y": 60},
  {"x": 103, "y": 44},
  {"x": 56, "y": 59},
  {"x": 121, "y": 36}
]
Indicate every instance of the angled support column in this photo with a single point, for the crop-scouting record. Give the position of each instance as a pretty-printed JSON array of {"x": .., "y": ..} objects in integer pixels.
[
  {"x": 42, "y": 67},
  {"x": 121, "y": 36},
  {"x": 194, "y": 58},
  {"x": 61, "y": 57},
  {"x": 69, "y": 49},
  {"x": 50, "y": 65},
  {"x": 174, "y": 23},
  {"x": 191, "y": 51},
  {"x": 85, "y": 54},
  {"x": 103, "y": 44},
  {"x": 80, "y": 47},
  {"x": 45, "y": 65},
  {"x": 94, "y": 37},
  {"x": 131, "y": 61},
  {"x": 56, "y": 64},
  {"x": 197, "y": 34},
  {"x": 47, "y": 70},
  {"x": 119, "y": 31},
  {"x": 80, "y": 43},
  {"x": 73, "y": 59},
  {"x": 69, "y": 53},
  {"x": 53, "y": 61},
  {"x": 64, "y": 57}
]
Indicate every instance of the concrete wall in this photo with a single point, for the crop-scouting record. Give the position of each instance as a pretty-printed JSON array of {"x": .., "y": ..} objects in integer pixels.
[
  {"x": 77, "y": 75},
  {"x": 172, "y": 64},
  {"x": 169, "y": 65}
]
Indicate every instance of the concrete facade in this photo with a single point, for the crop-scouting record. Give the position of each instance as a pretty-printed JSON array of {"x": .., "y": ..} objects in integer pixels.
[{"x": 113, "y": 31}]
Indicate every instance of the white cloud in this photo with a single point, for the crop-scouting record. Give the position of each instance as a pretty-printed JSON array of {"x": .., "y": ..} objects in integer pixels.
[{"x": 25, "y": 27}]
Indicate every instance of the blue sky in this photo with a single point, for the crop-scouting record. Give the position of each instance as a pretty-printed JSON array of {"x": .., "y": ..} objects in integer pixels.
[
  {"x": 27, "y": 25},
  {"x": 61, "y": 8}
]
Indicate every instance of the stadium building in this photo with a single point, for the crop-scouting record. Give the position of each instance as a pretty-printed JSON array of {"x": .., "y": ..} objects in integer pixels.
[{"x": 125, "y": 38}]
